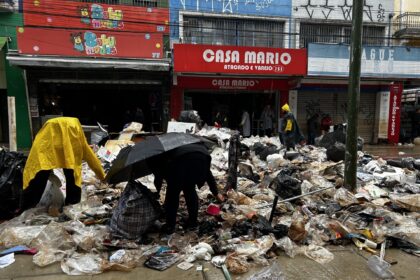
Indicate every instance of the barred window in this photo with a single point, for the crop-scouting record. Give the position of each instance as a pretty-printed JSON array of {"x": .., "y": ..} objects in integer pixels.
[
  {"x": 329, "y": 33},
  {"x": 141, "y": 3},
  {"x": 240, "y": 32}
]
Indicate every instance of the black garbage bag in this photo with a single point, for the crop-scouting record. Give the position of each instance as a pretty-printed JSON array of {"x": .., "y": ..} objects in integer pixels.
[
  {"x": 405, "y": 245},
  {"x": 331, "y": 138},
  {"x": 263, "y": 151},
  {"x": 190, "y": 116},
  {"x": 336, "y": 152},
  {"x": 285, "y": 184},
  {"x": 11, "y": 182}
]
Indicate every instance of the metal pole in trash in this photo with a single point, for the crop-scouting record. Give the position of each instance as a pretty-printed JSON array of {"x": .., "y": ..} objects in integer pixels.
[
  {"x": 350, "y": 168},
  {"x": 276, "y": 198}
]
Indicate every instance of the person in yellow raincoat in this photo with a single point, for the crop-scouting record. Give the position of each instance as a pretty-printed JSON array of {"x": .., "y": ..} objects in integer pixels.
[
  {"x": 60, "y": 143},
  {"x": 290, "y": 130}
]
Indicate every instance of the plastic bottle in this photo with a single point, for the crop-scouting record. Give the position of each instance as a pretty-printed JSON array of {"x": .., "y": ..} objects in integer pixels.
[{"x": 380, "y": 267}]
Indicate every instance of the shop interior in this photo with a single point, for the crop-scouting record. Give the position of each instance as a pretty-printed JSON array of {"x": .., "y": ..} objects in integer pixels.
[
  {"x": 231, "y": 105},
  {"x": 113, "y": 105}
]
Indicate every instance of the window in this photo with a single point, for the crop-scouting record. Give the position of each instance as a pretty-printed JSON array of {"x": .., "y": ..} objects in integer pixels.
[
  {"x": 329, "y": 33},
  {"x": 141, "y": 3},
  {"x": 222, "y": 31}
]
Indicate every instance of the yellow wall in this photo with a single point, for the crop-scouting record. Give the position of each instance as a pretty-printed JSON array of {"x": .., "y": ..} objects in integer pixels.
[{"x": 406, "y": 6}]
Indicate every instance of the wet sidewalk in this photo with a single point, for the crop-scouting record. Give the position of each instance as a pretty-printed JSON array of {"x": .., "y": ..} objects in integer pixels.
[
  {"x": 347, "y": 264},
  {"x": 393, "y": 151}
]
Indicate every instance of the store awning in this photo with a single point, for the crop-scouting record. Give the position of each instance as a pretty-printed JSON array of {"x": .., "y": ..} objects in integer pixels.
[
  {"x": 3, "y": 41},
  {"x": 20, "y": 60}
]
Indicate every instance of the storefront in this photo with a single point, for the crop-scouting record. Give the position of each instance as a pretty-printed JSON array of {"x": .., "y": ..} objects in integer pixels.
[
  {"x": 93, "y": 61},
  {"x": 324, "y": 91},
  {"x": 231, "y": 79}
]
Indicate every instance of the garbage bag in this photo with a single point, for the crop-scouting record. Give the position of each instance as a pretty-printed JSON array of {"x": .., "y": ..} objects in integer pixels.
[
  {"x": 272, "y": 272},
  {"x": 336, "y": 152},
  {"x": 190, "y": 116},
  {"x": 285, "y": 185},
  {"x": 136, "y": 211},
  {"x": 11, "y": 181},
  {"x": 263, "y": 151},
  {"x": 297, "y": 231},
  {"x": 237, "y": 264},
  {"x": 405, "y": 245}
]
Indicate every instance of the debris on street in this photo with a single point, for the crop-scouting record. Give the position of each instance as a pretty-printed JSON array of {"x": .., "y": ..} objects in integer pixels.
[{"x": 301, "y": 192}]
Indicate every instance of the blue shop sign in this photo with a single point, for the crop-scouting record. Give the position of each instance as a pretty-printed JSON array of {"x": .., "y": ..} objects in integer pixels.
[{"x": 377, "y": 61}]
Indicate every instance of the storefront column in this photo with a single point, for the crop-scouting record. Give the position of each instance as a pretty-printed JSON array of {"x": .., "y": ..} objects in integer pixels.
[
  {"x": 284, "y": 97},
  {"x": 177, "y": 100}
]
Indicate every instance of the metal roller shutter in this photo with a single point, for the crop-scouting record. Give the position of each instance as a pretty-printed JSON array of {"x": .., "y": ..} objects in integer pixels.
[{"x": 334, "y": 103}]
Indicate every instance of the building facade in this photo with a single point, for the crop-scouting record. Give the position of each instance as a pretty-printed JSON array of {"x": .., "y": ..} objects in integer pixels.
[
  {"x": 100, "y": 61},
  {"x": 206, "y": 79},
  {"x": 103, "y": 60},
  {"x": 12, "y": 81}
]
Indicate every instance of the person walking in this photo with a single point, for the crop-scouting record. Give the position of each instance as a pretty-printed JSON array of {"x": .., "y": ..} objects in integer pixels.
[
  {"x": 60, "y": 143},
  {"x": 245, "y": 124},
  {"x": 267, "y": 116},
  {"x": 290, "y": 129},
  {"x": 313, "y": 128}
]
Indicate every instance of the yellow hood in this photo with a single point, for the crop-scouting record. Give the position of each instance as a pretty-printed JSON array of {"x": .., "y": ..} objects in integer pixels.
[
  {"x": 61, "y": 143},
  {"x": 286, "y": 108}
]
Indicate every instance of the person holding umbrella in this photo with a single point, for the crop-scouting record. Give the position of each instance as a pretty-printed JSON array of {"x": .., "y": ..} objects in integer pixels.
[
  {"x": 183, "y": 169},
  {"x": 181, "y": 159}
]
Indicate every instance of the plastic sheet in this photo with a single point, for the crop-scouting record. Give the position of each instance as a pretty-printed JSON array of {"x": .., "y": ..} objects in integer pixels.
[
  {"x": 53, "y": 235},
  {"x": 272, "y": 272},
  {"x": 288, "y": 246},
  {"x": 409, "y": 202},
  {"x": 201, "y": 251},
  {"x": 318, "y": 254},
  {"x": 344, "y": 197},
  {"x": 47, "y": 256},
  {"x": 23, "y": 235},
  {"x": 79, "y": 264}
]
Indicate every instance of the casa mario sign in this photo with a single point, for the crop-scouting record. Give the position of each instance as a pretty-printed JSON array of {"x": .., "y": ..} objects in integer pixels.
[
  {"x": 239, "y": 60},
  {"x": 229, "y": 83}
]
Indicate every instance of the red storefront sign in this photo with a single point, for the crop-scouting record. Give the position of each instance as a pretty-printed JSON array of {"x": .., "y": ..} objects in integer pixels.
[
  {"x": 239, "y": 60},
  {"x": 224, "y": 83},
  {"x": 71, "y": 14},
  {"x": 394, "y": 113},
  {"x": 47, "y": 41}
]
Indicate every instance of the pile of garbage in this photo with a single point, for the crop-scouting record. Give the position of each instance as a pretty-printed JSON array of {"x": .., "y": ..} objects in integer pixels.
[{"x": 312, "y": 211}]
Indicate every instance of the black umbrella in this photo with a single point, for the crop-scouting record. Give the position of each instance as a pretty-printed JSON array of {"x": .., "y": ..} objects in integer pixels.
[{"x": 131, "y": 162}]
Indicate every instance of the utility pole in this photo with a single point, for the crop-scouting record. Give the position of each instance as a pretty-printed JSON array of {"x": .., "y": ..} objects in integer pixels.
[{"x": 350, "y": 168}]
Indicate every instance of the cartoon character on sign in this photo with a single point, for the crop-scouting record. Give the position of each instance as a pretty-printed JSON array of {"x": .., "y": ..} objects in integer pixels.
[
  {"x": 76, "y": 39},
  {"x": 84, "y": 14},
  {"x": 97, "y": 11}
]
